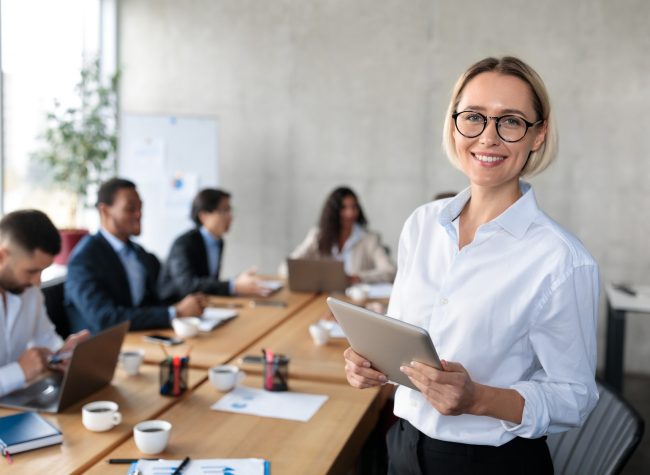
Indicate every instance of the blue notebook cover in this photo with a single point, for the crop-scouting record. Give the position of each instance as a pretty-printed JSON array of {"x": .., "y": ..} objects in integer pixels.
[{"x": 26, "y": 431}]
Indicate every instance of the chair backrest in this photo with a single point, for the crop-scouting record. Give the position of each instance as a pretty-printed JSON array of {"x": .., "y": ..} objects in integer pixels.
[
  {"x": 603, "y": 444},
  {"x": 53, "y": 293}
]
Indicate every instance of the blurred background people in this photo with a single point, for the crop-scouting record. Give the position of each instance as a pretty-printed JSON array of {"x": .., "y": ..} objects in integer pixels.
[
  {"x": 194, "y": 261},
  {"x": 342, "y": 234},
  {"x": 111, "y": 278},
  {"x": 28, "y": 243}
]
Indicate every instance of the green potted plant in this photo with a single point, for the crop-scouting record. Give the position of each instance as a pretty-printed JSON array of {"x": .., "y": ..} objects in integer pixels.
[{"x": 80, "y": 143}]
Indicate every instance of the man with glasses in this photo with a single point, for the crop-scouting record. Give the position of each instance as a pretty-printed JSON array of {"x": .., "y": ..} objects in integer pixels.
[
  {"x": 194, "y": 261},
  {"x": 111, "y": 278}
]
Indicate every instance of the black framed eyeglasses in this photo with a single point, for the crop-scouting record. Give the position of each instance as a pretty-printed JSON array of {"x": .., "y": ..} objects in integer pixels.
[{"x": 510, "y": 128}]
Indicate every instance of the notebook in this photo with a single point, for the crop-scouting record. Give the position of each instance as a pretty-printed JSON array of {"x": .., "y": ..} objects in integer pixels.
[
  {"x": 26, "y": 431},
  {"x": 91, "y": 368},
  {"x": 316, "y": 275}
]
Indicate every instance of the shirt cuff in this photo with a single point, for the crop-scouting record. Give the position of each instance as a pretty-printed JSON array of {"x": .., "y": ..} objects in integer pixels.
[
  {"x": 535, "y": 418},
  {"x": 172, "y": 313},
  {"x": 11, "y": 378},
  {"x": 231, "y": 286}
]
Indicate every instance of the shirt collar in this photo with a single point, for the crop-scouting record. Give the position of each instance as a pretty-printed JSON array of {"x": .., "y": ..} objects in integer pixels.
[
  {"x": 355, "y": 236},
  {"x": 516, "y": 219},
  {"x": 117, "y": 244},
  {"x": 208, "y": 237}
]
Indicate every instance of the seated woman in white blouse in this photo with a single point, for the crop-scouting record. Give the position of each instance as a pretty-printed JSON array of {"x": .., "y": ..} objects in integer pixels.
[
  {"x": 509, "y": 297},
  {"x": 342, "y": 235}
]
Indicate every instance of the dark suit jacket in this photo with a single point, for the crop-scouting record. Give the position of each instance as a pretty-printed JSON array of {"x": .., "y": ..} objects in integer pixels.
[
  {"x": 97, "y": 293},
  {"x": 187, "y": 271}
]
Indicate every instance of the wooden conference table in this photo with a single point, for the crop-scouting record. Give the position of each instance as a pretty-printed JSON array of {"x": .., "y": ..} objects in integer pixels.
[
  {"x": 328, "y": 443},
  {"x": 221, "y": 344},
  {"x": 138, "y": 399},
  {"x": 307, "y": 361}
]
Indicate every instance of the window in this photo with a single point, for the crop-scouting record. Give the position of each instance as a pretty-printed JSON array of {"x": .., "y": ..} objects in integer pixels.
[{"x": 43, "y": 46}]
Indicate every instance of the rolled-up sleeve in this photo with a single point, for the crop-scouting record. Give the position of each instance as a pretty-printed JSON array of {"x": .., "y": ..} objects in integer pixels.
[
  {"x": 562, "y": 390},
  {"x": 11, "y": 378}
]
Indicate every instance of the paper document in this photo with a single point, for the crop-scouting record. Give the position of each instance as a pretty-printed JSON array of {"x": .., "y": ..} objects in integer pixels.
[
  {"x": 334, "y": 328},
  {"x": 280, "y": 405},
  {"x": 272, "y": 285},
  {"x": 202, "y": 467},
  {"x": 213, "y": 317},
  {"x": 378, "y": 291}
]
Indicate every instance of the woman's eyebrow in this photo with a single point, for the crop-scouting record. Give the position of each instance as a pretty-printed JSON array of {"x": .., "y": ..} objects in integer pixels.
[{"x": 501, "y": 111}]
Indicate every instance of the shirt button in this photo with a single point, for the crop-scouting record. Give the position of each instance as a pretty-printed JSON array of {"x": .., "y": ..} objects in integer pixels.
[{"x": 443, "y": 301}]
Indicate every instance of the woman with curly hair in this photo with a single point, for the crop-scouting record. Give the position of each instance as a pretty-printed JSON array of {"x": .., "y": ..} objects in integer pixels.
[{"x": 342, "y": 235}]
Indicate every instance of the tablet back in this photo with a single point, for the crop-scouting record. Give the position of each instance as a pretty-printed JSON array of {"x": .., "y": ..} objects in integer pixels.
[{"x": 386, "y": 342}]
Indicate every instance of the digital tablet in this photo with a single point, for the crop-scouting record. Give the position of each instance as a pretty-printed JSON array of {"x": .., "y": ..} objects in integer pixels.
[{"x": 386, "y": 342}]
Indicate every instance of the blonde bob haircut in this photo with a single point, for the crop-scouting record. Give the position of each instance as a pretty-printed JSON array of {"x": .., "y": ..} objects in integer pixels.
[{"x": 509, "y": 66}]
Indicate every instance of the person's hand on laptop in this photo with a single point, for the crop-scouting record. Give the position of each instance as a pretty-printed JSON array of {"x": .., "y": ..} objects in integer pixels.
[
  {"x": 248, "y": 283},
  {"x": 359, "y": 372},
  {"x": 34, "y": 361},
  {"x": 65, "y": 352},
  {"x": 191, "y": 306}
]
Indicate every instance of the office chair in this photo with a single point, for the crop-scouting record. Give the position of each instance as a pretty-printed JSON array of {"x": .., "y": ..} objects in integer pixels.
[
  {"x": 53, "y": 293},
  {"x": 604, "y": 444}
]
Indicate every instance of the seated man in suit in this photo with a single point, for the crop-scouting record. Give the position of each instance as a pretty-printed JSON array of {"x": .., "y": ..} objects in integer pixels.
[
  {"x": 194, "y": 260},
  {"x": 28, "y": 243},
  {"x": 112, "y": 279}
]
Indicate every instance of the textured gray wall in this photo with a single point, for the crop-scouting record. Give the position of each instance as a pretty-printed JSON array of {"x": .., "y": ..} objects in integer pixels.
[{"x": 312, "y": 94}]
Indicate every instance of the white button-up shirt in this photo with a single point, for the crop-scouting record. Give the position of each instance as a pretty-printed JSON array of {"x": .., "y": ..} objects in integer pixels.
[
  {"x": 24, "y": 324},
  {"x": 517, "y": 307}
]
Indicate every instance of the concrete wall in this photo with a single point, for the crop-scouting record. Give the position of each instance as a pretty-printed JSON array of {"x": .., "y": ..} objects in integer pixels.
[{"x": 313, "y": 94}]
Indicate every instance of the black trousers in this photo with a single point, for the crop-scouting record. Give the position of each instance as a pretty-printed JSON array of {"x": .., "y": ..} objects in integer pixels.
[{"x": 410, "y": 452}]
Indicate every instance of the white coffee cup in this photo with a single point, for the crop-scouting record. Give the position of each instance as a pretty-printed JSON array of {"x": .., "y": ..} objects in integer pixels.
[
  {"x": 100, "y": 416},
  {"x": 186, "y": 327},
  {"x": 225, "y": 377},
  {"x": 319, "y": 333},
  {"x": 357, "y": 293},
  {"x": 131, "y": 361},
  {"x": 151, "y": 437}
]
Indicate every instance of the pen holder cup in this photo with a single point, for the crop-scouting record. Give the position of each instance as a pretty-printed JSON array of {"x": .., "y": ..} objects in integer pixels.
[
  {"x": 276, "y": 374},
  {"x": 173, "y": 376}
]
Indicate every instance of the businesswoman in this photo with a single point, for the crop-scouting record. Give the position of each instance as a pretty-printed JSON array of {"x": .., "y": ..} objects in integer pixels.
[
  {"x": 508, "y": 296},
  {"x": 194, "y": 261},
  {"x": 342, "y": 235}
]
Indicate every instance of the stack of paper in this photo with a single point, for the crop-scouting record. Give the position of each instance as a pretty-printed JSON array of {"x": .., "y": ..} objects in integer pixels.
[{"x": 213, "y": 317}]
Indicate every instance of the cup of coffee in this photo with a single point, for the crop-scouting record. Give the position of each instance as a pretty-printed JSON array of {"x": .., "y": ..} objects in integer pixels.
[
  {"x": 357, "y": 293},
  {"x": 131, "y": 361},
  {"x": 186, "y": 327},
  {"x": 100, "y": 416},
  {"x": 319, "y": 333},
  {"x": 151, "y": 437},
  {"x": 225, "y": 377}
]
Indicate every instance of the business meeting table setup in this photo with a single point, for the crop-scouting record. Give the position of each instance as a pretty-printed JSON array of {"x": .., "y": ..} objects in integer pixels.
[{"x": 318, "y": 426}]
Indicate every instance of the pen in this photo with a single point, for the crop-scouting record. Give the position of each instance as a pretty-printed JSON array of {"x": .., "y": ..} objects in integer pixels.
[
  {"x": 268, "y": 303},
  {"x": 225, "y": 305},
  {"x": 125, "y": 461},
  {"x": 179, "y": 469}
]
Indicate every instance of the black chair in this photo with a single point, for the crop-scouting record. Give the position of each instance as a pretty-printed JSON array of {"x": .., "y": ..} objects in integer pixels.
[
  {"x": 604, "y": 444},
  {"x": 53, "y": 292}
]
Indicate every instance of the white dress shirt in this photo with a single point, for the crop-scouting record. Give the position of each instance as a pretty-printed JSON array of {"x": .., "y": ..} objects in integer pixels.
[
  {"x": 517, "y": 307},
  {"x": 23, "y": 325},
  {"x": 345, "y": 254}
]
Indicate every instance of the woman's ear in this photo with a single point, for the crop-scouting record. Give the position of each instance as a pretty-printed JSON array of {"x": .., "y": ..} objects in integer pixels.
[{"x": 540, "y": 137}]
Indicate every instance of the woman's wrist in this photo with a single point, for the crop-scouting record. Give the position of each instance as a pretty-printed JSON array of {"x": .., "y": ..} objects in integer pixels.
[{"x": 500, "y": 403}]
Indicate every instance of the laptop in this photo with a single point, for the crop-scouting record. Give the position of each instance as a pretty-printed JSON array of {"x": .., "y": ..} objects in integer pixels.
[
  {"x": 316, "y": 275},
  {"x": 92, "y": 365},
  {"x": 386, "y": 342}
]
